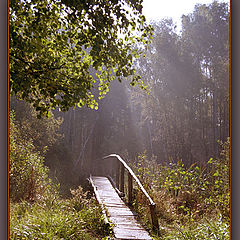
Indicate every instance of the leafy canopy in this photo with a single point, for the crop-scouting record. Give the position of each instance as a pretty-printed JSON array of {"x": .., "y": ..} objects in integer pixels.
[{"x": 59, "y": 49}]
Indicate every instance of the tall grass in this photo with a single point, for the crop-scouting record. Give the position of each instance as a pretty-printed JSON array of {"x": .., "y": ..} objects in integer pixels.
[
  {"x": 74, "y": 218},
  {"x": 207, "y": 229}
]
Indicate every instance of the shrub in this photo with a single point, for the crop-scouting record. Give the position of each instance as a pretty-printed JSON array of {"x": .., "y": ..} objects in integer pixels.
[
  {"x": 44, "y": 132},
  {"x": 217, "y": 185},
  {"x": 28, "y": 177}
]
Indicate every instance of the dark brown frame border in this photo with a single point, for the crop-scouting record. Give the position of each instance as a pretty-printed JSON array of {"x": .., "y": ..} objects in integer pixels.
[
  {"x": 3, "y": 119},
  {"x": 235, "y": 123}
]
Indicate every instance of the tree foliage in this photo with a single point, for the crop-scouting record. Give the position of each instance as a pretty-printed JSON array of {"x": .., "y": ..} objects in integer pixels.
[{"x": 58, "y": 50}]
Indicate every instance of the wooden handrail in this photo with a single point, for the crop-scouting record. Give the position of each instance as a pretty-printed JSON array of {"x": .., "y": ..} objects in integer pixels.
[
  {"x": 130, "y": 176},
  {"x": 133, "y": 175}
]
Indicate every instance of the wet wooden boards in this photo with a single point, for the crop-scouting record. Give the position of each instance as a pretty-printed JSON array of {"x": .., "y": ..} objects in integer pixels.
[{"x": 125, "y": 224}]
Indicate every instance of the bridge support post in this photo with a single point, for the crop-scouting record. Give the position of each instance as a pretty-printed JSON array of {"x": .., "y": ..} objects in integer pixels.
[
  {"x": 117, "y": 173},
  {"x": 122, "y": 179},
  {"x": 130, "y": 188},
  {"x": 154, "y": 217}
]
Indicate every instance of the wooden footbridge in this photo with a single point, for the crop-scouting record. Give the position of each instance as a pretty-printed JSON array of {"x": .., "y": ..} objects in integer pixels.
[{"x": 109, "y": 194}]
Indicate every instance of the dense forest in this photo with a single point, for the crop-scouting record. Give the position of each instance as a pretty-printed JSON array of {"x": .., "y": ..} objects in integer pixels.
[{"x": 88, "y": 79}]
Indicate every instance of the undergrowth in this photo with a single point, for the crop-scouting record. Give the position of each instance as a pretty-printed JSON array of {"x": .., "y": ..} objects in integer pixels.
[
  {"x": 78, "y": 217},
  {"x": 36, "y": 209},
  {"x": 191, "y": 203}
]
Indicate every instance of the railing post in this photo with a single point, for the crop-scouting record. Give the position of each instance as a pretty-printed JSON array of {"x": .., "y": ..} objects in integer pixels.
[
  {"x": 117, "y": 173},
  {"x": 113, "y": 166},
  {"x": 122, "y": 179},
  {"x": 154, "y": 217},
  {"x": 130, "y": 188}
]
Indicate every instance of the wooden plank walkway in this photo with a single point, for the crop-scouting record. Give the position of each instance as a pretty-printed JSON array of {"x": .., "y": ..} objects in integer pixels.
[{"x": 125, "y": 224}]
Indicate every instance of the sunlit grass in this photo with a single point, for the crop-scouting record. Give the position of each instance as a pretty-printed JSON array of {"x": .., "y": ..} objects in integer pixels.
[{"x": 73, "y": 218}]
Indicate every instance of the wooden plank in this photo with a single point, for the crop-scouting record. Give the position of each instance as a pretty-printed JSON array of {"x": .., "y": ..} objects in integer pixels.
[
  {"x": 125, "y": 224},
  {"x": 99, "y": 199},
  {"x": 131, "y": 234}
]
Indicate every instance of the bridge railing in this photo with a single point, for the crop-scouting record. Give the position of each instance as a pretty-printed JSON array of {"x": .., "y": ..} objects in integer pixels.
[{"x": 119, "y": 169}]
